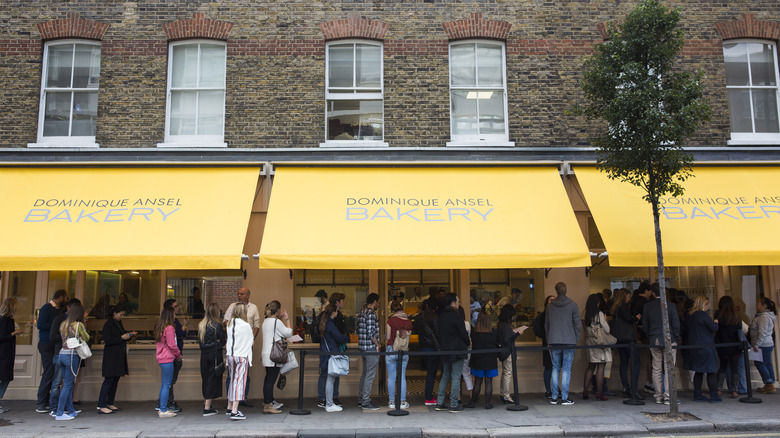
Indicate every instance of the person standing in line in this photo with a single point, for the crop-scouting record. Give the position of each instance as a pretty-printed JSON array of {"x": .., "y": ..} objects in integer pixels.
[
  {"x": 368, "y": 341},
  {"x": 54, "y": 333},
  {"x": 46, "y": 316},
  {"x": 540, "y": 333},
  {"x": 624, "y": 331},
  {"x": 597, "y": 357},
  {"x": 761, "y": 330},
  {"x": 181, "y": 333},
  {"x": 114, "y": 359},
  {"x": 253, "y": 319},
  {"x": 273, "y": 331},
  {"x": 563, "y": 328},
  {"x": 652, "y": 322},
  {"x": 426, "y": 325},
  {"x": 167, "y": 353},
  {"x": 729, "y": 328},
  {"x": 240, "y": 338},
  {"x": 483, "y": 365},
  {"x": 68, "y": 361},
  {"x": 397, "y": 325},
  {"x": 8, "y": 334},
  {"x": 211, "y": 338},
  {"x": 642, "y": 296},
  {"x": 453, "y": 337},
  {"x": 337, "y": 300},
  {"x": 332, "y": 340},
  {"x": 701, "y": 330}
]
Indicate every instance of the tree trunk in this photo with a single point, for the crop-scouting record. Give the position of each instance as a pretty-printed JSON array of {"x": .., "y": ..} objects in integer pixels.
[{"x": 669, "y": 352}]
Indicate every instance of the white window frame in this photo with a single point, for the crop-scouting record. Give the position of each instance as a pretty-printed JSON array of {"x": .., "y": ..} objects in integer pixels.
[
  {"x": 185, "y": 141},
  {"x": 80, "y": 141},
  {"x": 756, "y": 138},
  {"x": 488, "y": 140},
  {"x": 355, "y": 95}
]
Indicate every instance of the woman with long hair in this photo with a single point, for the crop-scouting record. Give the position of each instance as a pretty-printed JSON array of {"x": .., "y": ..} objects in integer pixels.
[
  {"x": 211, "y": 339},
  {"x": 624, "y": 330},
  {"x": 398, "y": 322},
  {"x": 68, "y": 360},
  {"x": 483, "y": 366},
  {"x": 332, "y": 340},
  {"x": 597, "y": 357},
  {"x": 275, "y": 327},
  {"x": 729, "y": 329},
  {"x": 8, "y": 334},
  {"x": 239, "y": 357},
  {"x": 701, "y": 329},
  {"x": 761, "y": 329},
  {"x": 167, "y": 352},
  {"x": 114, "y": 358}
]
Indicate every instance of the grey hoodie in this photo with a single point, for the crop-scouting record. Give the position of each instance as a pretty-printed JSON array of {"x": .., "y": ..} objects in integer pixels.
[
  {"x": 562, "y": 321},
  {"x": 761, "y": 329}
]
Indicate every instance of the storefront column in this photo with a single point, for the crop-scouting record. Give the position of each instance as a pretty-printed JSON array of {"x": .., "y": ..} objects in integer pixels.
[{"x": 720, "y": 285}]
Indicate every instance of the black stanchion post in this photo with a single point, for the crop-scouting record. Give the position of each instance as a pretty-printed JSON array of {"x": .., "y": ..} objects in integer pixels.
[
  {"x": 749, "y": 398},
  {"x": 300, "y": 410},
  {"x": 634, "y": 386},
  {"x": 398, "y": 412},
  {"x": 517, "y": 406}
]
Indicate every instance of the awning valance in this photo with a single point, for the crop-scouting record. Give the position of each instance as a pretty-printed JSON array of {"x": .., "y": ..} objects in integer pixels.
[
  {"x": 420, "y": 218},
  {"x": 124, "y": 218},
  {"x": 727, "y": 216}
]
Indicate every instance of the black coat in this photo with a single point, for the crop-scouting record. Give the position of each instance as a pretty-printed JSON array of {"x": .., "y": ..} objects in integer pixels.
[
  {"x": 623, "y": 325},
  {"x": 701, "y": 329},
  {"x": 483, "y": 341},
  {"x": 115, "y": 350},
  {"x": 7, "y": 348},
  {"x": 452, "y": 334}
]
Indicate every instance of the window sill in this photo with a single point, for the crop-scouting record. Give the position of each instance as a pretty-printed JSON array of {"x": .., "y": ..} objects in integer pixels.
[
  {"x": 354, "y": 144},
  {"x": 480, "y": 143},
  {"x": 754, "y": 140},
  {"x": 192, "y": 145},
  {"x": 64, "y": 144}
]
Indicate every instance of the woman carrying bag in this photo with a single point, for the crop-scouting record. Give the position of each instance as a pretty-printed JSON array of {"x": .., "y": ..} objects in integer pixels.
[
  {"x": 275, "y": 327},
  {"x": 114, "y": 358},
  {"x": 597, "y": 357},
  {"x": 239, "y": 357},
  {"x": 68, "y": 360},
  {"x": 211, "y": 338},
  {"x": 332, "y": 341}
]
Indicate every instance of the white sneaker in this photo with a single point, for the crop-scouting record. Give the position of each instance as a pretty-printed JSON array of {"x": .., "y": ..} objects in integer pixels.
[
  {"x": 333, "y": 408},
  {"x": 404, "y": 405},
  {"x": 166, "y": 414},
  {"x": 64, "y": 417},
  {"x": 391, "y": 405},
  {"x": 277, "y": 405}
]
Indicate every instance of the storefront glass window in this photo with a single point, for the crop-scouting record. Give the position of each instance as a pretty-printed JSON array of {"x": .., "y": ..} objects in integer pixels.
[
  {"x": 352, "y": 283},
  {"x": 61, "y": 280},
  {"x": 492, "y": 289},
  {"x": 212, "y": 286},
  {"x": 413, "y": 286},
  {"x": 745, "y": 285},
  {"x": 140, "y": 290},
  {"x": 21, "y": 285}
]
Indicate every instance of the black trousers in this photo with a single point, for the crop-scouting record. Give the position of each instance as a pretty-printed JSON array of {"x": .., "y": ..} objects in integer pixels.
[
  {"x": 211, "y": 382},
  {"x": 271, "y": 374},
  {"x": 108, "y": 391}
]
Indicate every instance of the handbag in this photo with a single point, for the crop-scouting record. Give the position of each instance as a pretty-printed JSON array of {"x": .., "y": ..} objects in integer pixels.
[
  {"x": 78, "y": 345},
  {"x": 279, "y": 349},
  {"x": 291, "y": 364},
  {"x": 601, "y": 337},
  {"x": 338, "y": 364},
  {"x": 401, "y": 342}
]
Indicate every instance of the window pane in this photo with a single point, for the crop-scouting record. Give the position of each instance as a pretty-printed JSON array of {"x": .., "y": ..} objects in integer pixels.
[
  {"x": 340, "y": 66},
  {"x": 84, "y": 113},
  {"x": 183, "y": 104},
  {"x": 491, "y": 112},
  {"x": 765, "y": 109},
  {"x": 735, "y": 56},
  {"x": 210, "y": 117},
  {"x": 185, "y": 66},
  {"x": 491, "y": 70},
  {"x": 462, "y": 65},
  {"x": 86, "y": 73},
  {"x": 739, "y": 105},
  {"x": 464, "y": 112},
  {"x": 368, "y": 65},
  {"x": 21, "y": 285},
  {"x": 56, "y": 119},
  {"x": 59, "y": 66},
  {"x": 355, "y": 120},
  {"x": 212, "y": 65},
  {"x": 762, "y": 64}
]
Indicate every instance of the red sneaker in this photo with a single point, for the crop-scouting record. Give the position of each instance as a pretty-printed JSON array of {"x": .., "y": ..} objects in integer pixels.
[{"x": 431, "y": 402}]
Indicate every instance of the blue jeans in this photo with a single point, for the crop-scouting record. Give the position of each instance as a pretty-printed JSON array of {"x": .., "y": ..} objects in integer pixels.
[
  {"x": 165, "y": 387},
  {"x": 561, "y": 372},
  {"x": 765, "y": 368},
  {"x": 54, "y": 398},
  {"x": 450, "y": 374},
  {"x": 321, "y": 385},
  {"x": 69, "y": 367},
  {"x": 392, "y": 367}
]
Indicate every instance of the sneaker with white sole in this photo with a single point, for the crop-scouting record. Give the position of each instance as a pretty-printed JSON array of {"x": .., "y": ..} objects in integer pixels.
[
  {"x": 333, "y": 408},
  {"x": 209, "y": 412},
  {"x": 391, "y": 405},
  {"x": 404, "y": 405},
  {"x": 166, "y": 414},
  {"x": 277, "y": 405},
  {"x": 237, "y": 416},
  {"x": 64, "y": 417},
  {"x": 567, "y": 402}
]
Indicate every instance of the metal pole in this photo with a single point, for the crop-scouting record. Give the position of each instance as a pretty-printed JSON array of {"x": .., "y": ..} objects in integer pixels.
[
  {"x": 517, "y": 406},
  {"x": 634, "y": 385},
  {"x": 300, "y": 410},
  {"x": 749, "y": 398},
  {"x": 398, "y": 412}
]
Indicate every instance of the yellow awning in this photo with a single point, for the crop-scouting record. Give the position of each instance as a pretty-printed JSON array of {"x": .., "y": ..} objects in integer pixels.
[
  {"x": 420, "y": 218},
  {"x": 150, "y": 218},
  {"x": 727, "y": 216}
]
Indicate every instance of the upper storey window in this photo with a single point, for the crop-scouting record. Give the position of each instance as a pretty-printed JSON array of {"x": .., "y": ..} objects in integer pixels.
[
  {"x": 195, "y": 113},
  {"x": 751, "y": 81},
  {"x": 354, "y": 94},
  {"x": 478, "y": 102},
  {"x": 69, "y": 94}
]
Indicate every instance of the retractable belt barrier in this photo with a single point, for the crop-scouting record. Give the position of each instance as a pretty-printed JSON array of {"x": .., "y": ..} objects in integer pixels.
[{"x": 513, "y": 349}]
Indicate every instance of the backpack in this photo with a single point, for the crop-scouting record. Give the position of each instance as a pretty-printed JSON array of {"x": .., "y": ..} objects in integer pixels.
[
  {"x": 316, "y": 336},
  {"x": 401, "y": 341}
]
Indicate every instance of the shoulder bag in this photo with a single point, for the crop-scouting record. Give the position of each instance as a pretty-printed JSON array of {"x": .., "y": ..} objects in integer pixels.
[
  {"x": 600, "y": 337},
  {"x": 401, "y": 341},
  {"x": 338, "y": 364},
  {"x": 219, "y": 361},
  {"x": 78, "y": 345},
  {"x": 279, "y": 349}
]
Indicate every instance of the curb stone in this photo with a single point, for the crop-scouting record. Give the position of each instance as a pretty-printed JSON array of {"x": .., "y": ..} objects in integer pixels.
[
  {"x": 461, "y": 433},
  {"x": 682, "y": 427},
  {"x": 766, "y": 424},
  {"x": 525, "y": 431},
  {"x": 602, "y": 429},
  {"x": 410, "y": 432},
  {"x": 258, "y": 433},
  {"x": 330, "y": 433}
]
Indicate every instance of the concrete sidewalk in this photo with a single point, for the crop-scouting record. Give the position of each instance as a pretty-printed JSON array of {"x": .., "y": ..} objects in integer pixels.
[{"x": 584, "y": 418}]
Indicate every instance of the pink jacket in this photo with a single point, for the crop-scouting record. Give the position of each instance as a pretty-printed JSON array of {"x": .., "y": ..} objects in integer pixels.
[{"x": 167, "y": 351}]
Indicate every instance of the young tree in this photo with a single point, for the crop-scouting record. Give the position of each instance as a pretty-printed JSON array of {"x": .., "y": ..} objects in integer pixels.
[{"x": 650, "y": 109}]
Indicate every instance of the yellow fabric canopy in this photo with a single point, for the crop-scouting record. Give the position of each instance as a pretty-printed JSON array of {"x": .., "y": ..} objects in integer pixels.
[
  {"x": 149, "y": 218},
  {"x": 727, "y": 216},
  {"x": 420, "y": 218}
]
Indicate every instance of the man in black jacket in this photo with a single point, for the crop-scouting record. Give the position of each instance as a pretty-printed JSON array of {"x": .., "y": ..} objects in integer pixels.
[
  {"x": 652, "y": 321},
  {"x": 426, "y": 325},
  {"x": 452, "y": 337}
]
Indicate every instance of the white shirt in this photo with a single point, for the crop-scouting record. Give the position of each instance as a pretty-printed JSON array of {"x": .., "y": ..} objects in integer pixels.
[
  {"x": 252, "y": 315},
  {"x": 243, "y": 339},
  {"x": 270, "y": 335}
]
